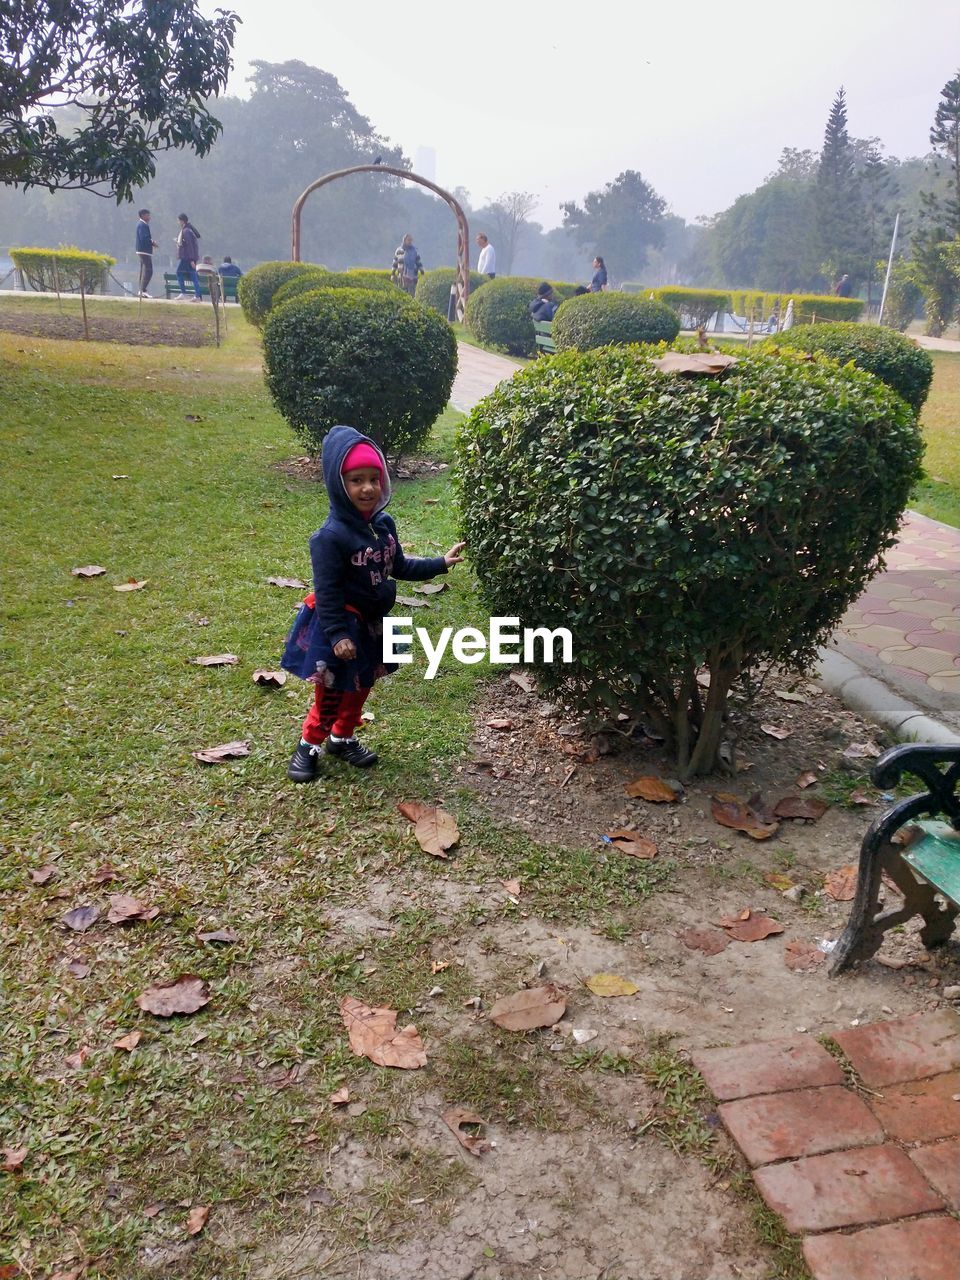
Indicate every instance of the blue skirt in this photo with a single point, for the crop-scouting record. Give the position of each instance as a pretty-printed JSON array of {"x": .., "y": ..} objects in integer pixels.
[{"x": 309, "y": 654}]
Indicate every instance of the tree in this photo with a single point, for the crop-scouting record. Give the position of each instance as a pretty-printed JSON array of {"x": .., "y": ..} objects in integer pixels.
[
  {"x": 931, "y": 265},
  {"x": 622, "y": 222},
  {"x": 764, "y": 239},
  {"x": 945, "y": 141},
  {"x": 879, "y": 190},
  {"x": 135, "y": 75},
  {"x": 508, "y": 218},
  {"x": 838, "y": 202}
]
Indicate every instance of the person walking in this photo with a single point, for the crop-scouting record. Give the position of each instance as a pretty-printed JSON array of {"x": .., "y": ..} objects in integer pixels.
[
  {"x": 407, "y": 267},
  {"x": 188, "y": 255},
  {"x": 487, "y": 262},
  {"x": 145, "y": 247}
]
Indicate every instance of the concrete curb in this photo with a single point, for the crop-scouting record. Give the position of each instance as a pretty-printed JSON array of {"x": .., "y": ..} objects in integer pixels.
[{"x": 872, "y": 699}]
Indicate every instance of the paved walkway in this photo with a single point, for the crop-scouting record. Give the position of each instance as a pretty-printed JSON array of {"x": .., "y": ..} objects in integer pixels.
[
  {"x": 860, "y": 1157},
  {"x": 904, "y": 630}
]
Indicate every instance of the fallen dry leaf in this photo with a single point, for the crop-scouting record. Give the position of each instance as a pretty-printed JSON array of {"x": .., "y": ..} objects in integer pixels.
[
  {"x": 128, "y": 1042},
  {"x": 288, "y": 582},
  {"x": 185, "y": 994},
  {"x": 131, "y": 584},
  {"x": 13, "y": 1158},
  {"x": 10, "y": 1271},
  {"x": 656, "y": 790},
  {"x": 219, "y": 935},
  {"x": 808, "y": 807},
  {"x": 526, "y": 683},
  {"x": 374, "y": 1035},
  {"x": 436, "y": 832},
  {"x": 728, "y": 811},
  {"x": 152, "y": 1210},
  {"x": 776, "y": 880},
  {"x": 104, "y": 873},
  {"x": 511, "y": 886},
  {"x": 88, "y": 571},
  {"x": 73, "y": 1274},
  {"x": 228, "y": 751},
  {"x": 841, "y": 885},
  {"x": 413, "y": 810},
  {"x": 124, "y": 908},
  {"x": 631, "y": 842},
  {"x": 42, "y": 875},
  {"x": 76, "y": 1060},
  {"x": 78, "y": 968},
  {"x": 530, "y": 1008},
  {"x": 269, "y": 679},
  {"x": 609, "y": 984},
  {"x": 710, "y": 941},
  {"x": 750, "y": 927},
  {"x": 800, "y": 955},
  {"x": 774, "y": 731},
  {"x": 411, "y": 602},
  {"x": 862, "y": 751},
  {"x": 499, "y": 722},
  {"x": 431, "y": 588},
  {"x": 707, "y": 364},
  {"x": 197, "y": 1219},
  {"x": 861, "y": 797},
  {"x": 438, "y": 966},
  {"x": 788, "y": 695},
  {"x": 340, "y": 1097},
  {"x": 216, "y": 660},
  {"x": 81, "y": 918},
  {"x": 455, "y": 1118},
  {"x": 807, "y": 780}
]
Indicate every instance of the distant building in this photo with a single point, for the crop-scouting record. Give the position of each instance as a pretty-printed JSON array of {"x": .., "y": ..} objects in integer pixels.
[{"x": 425, "y": 163}]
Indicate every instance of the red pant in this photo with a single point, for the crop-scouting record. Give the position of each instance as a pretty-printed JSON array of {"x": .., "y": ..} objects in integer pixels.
[{"x": 335, "y": 711}]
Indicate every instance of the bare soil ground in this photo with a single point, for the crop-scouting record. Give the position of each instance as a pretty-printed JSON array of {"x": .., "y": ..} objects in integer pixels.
[{"x": 154, "y": 327}]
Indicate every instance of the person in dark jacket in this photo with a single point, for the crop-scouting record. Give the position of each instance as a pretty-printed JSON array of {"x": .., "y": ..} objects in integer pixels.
[
  {"x": 544, "y": 306},
  {"x": 599, "y": 282},
  {"x": 337, "y": 638},
  {"x": 188, "y": 255},
  {"x": 229, "y": 268},
  {"x": 145, "y": 247},
  {"x": 407, "y": 267}
]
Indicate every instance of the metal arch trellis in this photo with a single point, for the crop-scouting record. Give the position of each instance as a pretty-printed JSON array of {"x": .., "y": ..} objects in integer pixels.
[{"x": 462, "y": 283}]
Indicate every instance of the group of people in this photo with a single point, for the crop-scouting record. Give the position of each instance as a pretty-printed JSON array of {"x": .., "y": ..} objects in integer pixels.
[
  {"x": 545, "y": 304},
  {"x": 189, "y": 262}
]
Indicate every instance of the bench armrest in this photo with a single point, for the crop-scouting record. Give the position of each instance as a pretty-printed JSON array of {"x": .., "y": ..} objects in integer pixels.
[{"x": 924, "y": 762}]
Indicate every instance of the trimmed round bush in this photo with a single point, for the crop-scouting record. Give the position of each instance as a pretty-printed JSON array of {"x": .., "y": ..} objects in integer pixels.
[
  {"x": 611, "y": 319},
  {"x": 256, "y": 287},
  {"x": 896, "y": 360},
  {"x": 674, "y": 523},
  {"x": 374, "y": 360},
  {"x": 320, "y": 279},
  {"x": 498, "y": 315},
  {"x": 433, "y": 288}
]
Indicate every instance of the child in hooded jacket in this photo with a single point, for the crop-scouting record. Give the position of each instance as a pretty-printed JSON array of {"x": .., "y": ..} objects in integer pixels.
[{"x": 336, "y": 640}]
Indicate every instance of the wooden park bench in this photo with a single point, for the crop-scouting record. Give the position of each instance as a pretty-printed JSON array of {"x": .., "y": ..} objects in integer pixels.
[
  {"x": 916, "y": 843},
  {"x": 543, "y": 335},
  {"x": 228, "y": 283}
]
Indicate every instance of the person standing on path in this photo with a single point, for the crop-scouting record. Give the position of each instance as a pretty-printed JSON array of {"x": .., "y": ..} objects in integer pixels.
[
  {"x": 487, "y": 262},
  {"x": 145, "y": 247},
  {"x": 188, "y": 255},
  {"x": 599, "y": 282},
  {"x": 407, "y": 267}
]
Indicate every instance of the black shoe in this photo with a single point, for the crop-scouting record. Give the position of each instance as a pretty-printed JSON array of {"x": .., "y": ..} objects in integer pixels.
[
  {"x": 303, "y": 763},
  {"x": 352, "y": 751}
]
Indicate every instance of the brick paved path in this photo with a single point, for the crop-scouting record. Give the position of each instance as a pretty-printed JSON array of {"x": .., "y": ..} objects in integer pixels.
[{"x": 870, "y": 1177}]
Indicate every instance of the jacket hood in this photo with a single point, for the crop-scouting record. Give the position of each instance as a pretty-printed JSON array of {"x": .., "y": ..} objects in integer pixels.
[{"x": 337, "y": 443}]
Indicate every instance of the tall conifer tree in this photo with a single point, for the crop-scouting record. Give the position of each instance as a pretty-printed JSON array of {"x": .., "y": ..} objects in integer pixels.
[{"x": 839, "y": 201}]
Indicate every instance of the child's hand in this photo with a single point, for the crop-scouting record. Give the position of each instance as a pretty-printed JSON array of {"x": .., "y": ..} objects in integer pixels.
[
  {"x": 453, "y": 556},
  {"x": 345, "y": 649}
]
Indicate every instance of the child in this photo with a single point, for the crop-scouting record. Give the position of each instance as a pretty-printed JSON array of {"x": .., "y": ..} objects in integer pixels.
[{"x": 336, "y": 640}]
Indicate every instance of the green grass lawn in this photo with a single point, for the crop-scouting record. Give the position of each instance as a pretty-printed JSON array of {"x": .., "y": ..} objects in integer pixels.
[{"x": 938, "y": 494}]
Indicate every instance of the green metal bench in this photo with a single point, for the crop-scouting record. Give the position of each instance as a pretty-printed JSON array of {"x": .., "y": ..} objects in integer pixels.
[
  {"x": 228, "y": 284},
  {"x": 917, "y": 844},
  {"x": 543, "y": 334}
]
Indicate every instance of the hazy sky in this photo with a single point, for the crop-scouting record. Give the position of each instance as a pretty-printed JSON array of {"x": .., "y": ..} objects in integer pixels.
[{"x": 558, "y": 98}]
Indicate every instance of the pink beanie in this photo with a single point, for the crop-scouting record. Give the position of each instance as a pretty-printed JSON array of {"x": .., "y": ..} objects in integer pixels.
[{"x": 362, "y": 455}]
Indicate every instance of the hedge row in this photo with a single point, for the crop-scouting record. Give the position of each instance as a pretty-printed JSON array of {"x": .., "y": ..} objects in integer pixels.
[
  {"x": 63, "y": 270},
  {"x": 694, "y": 306},
  {"x": 807, "y": 307},
  {"x": 498, "y": 315}
]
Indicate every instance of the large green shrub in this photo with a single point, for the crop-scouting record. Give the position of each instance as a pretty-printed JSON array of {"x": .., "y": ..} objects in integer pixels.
[
  {"x": 433, "y": 288},
  {"x": 63, "y": 270},
  {"x": 256, "y": 288},
  {"x": 377, "y": 361},
  {"x": 379, "y": 282},
  {"x": 896, "y": 360},
  {"x": 676, "y": 523},
  {"x": 498, "y": 315},
  {"x": 605, "y": 319},
  {"x": 695, "y": 306}
]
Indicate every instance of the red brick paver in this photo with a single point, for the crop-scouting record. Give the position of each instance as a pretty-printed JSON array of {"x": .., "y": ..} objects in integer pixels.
[
  {"x": 941, "y": 1165},
  {"x": 921, "y": 1110},
  {"x": 846, "y": 1189},
  {"x": 769, "y": 1066},
  {"x": 925, "y": 1044},
  {"x": 780, "y": 1126},
  {"x": 925, "y": 1249}
]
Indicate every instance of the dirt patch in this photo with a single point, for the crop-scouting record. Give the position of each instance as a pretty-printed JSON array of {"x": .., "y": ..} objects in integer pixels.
[
  {"x": 154, "y": 328},
  {"x": 309, "y": 468}
]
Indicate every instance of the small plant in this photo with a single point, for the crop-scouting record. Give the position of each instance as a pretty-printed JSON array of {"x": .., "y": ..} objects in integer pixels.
[
  {"x": 433, "y": 288},
  {"x": 256, "y": 289},
  {"x": 896, "y": 360},
  {"x": 605, "y": 319}
]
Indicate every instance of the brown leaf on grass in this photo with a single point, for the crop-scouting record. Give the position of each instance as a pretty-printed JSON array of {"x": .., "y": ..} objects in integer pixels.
[
  {"x": 78, "y": 968},
  {"x": 436, "y": 832},
  {"x": 131, "y": 584},
  {"x": 197, "y": 1219},
  {"x": 526, "y": 682},
  {"x": 374, "y": 1035},
  {"x": 610, "y": 984},
  {"x": 81, "y": 918},
  {"x": 841, "y": 885},
  {"x": 216, "y": 660},
  {"x": 128, "y": 1042},
  {"x": 104, "y": 873},
  {"x": 227, "y": 751},
  {"x": 10, "y": 1271},
  {"x": 632, "y": 843},
  {"x": 288, "y": 582},
  {"x": 124, "y": 908},
  {"x": 76, "y": 1060},
  {"x": 73, "y": 1274},
  {"x": 776, "y": 880},
  {"x": 808, "y": 807},
  {"x": 862, "y": 751},
  {"x": 219, "y": 935},
  {"x": 800, "y": 956},
  {"x": 728, "y": 811},
  {"x": 807, "y": 780},
  {"x": 41, "y": 875},
  {"x": 340, "y": 1097},
  {"x": 861, "y": 798},
  {"x": 269, "y": 679},
  {"x": 185, "y": 994},
  {"x": 152, "y": 1210},
  {"x": 787, "y": 695},
  {"x": 499, "y": 722},
  {"x": 750, "y": 927},
  {"x": 775, "y": 731},
  {"x": 455, "y": 1118},
  {"x": 656, "y": 790},
  {"x": 533, "y": 1007},
  {"x": 431, "y": 588},
  {"x": 710, "y": 941},
  {"x": 413, "y": 810},
  {"x": 88, "y": 571},
  {"x": 411, "y": 602},
  {"x": 511, "y": 886},
  {"x": 13, "y": 1158}
]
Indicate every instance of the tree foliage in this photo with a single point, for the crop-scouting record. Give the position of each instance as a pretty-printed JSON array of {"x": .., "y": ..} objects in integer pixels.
[
  {"x": 134, "y": 75},
  {"x": 622, "y": 222},
  {"x": 841, "y": 244}
]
